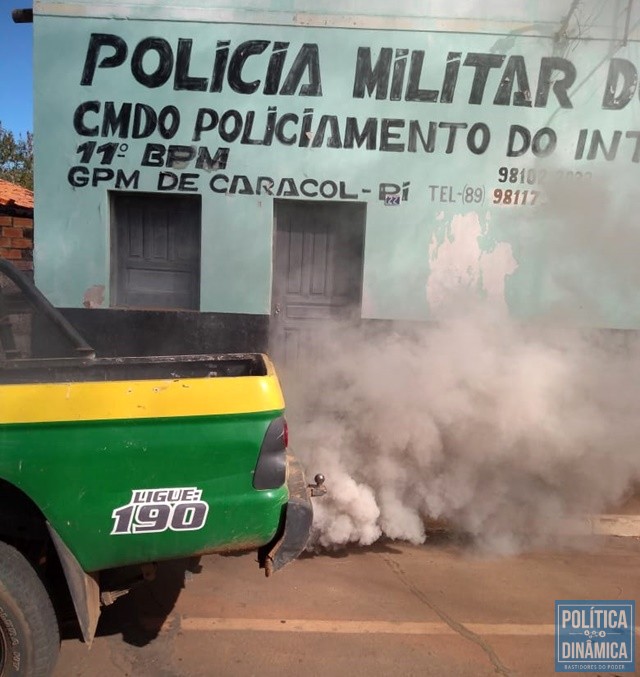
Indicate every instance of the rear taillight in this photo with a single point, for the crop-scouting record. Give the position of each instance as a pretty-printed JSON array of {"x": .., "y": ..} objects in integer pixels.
[{"x": 271, "y": 468}]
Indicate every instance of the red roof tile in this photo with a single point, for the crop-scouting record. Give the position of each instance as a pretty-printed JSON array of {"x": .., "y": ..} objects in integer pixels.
[{"x": 10, "y": 193}]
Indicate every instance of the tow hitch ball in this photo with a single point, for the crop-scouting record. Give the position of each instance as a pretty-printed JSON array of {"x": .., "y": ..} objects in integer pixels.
[{"x": 317, "y": 489}]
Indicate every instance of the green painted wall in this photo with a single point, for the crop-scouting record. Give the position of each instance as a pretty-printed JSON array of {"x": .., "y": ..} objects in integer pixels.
[{"x": 562, "y": 249}]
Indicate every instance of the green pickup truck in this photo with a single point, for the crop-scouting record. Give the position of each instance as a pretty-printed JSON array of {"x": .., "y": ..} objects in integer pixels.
[{"x": 111, "y": 462}]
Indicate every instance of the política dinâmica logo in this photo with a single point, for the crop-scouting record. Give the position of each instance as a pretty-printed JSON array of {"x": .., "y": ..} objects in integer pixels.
[{"x": 595, "y": 635}]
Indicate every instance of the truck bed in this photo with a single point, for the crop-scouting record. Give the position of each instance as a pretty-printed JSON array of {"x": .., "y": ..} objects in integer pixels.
[{"x": 74, "y": 369}]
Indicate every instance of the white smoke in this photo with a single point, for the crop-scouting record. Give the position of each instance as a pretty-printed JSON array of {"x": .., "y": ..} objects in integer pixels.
[{"x": 502, "y": 430}]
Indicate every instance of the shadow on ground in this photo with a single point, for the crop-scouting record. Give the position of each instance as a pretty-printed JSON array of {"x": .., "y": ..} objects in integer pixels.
[{"x": 140, "y": 615}]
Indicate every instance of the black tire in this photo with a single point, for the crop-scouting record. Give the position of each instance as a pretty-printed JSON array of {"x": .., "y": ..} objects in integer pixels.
[{"x": 29, "y": 635}]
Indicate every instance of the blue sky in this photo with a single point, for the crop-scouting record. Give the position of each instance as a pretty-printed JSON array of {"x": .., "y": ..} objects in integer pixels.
[{"x": 16, "y": 94}]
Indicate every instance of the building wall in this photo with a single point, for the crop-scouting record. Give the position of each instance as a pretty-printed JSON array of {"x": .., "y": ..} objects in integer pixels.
[{"x": 439, "y": 219}]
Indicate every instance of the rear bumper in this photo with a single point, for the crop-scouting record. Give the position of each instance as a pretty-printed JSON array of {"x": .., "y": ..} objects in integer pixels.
[{"x": 293, "y": 535}]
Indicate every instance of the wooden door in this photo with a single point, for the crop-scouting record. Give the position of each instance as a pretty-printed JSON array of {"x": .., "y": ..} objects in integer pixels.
[
  {"x": 156, "y": 251},
  {"x": 317, "y": 276}
]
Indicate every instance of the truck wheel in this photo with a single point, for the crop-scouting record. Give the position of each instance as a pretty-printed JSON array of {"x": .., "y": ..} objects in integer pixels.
[{"x": 29, "y": 635}]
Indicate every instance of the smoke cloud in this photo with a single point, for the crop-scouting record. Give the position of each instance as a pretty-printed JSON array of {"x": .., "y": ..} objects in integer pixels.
[
  {"x": 502, "y": 430},
  {"x": 506, "y": 429}
]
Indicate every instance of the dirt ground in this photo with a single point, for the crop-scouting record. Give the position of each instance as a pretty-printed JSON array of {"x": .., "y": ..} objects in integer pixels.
[{"x": 391, "y": 609}]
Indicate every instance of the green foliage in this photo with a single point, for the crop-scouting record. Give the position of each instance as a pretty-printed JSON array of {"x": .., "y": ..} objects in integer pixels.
[{"x": 16, "y": 158}]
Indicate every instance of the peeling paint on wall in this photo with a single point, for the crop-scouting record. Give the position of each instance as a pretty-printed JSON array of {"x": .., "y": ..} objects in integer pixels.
[
  {"x": 459, "y": 265},
  {"x": 94, "y": 296}
]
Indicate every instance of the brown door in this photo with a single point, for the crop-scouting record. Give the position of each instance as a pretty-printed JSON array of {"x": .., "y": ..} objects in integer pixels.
[{"x": 317, "y": 276}]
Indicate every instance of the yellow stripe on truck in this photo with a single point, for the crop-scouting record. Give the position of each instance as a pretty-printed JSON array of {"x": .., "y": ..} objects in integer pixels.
[{"x": 162, "y": 398}]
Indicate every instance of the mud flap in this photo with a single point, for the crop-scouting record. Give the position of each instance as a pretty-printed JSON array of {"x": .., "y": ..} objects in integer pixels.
[
  {"x": 84, "y": 588},
  {"x": 291, "y": 539}
]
